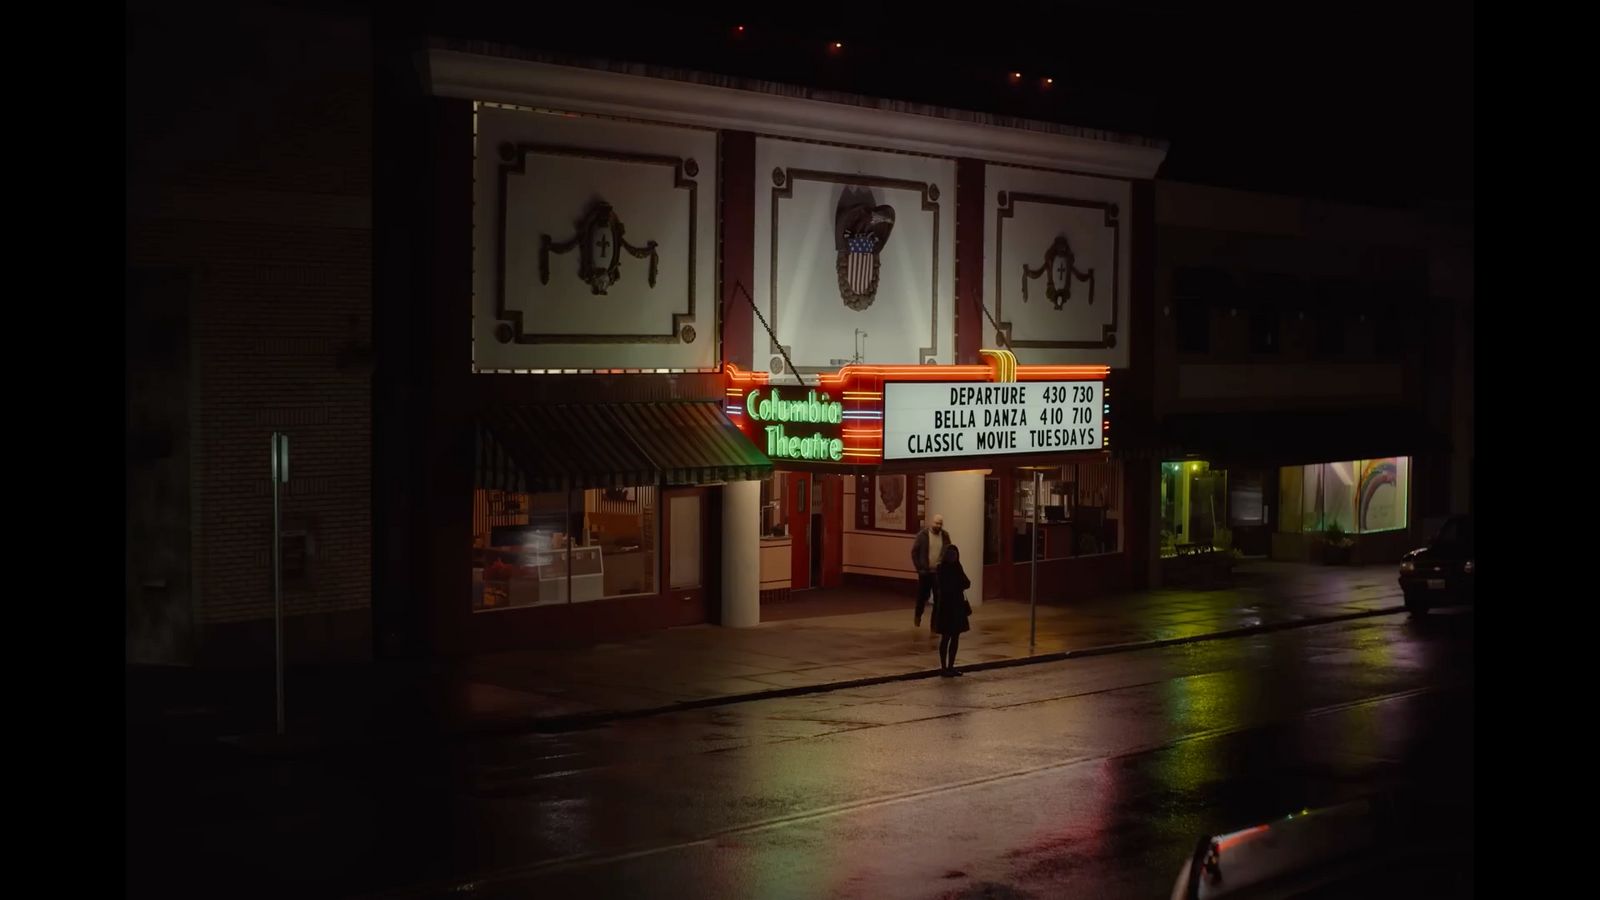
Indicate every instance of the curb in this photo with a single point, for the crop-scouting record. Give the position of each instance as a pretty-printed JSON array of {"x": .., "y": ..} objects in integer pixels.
[{"x": 270, "y": 745}]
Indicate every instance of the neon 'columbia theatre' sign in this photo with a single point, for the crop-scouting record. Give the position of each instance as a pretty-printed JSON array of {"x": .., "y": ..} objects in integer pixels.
[{"x": 812, "y": 410}]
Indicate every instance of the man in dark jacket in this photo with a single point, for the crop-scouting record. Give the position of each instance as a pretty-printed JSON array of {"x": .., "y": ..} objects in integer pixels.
[{"x": 925, "y": 553}]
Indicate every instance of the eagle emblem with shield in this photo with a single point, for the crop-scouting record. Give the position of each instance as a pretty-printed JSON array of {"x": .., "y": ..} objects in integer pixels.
[{"x": 861, "y": 229}]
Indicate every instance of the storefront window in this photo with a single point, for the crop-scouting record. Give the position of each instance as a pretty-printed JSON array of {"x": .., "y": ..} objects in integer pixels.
[
  {"x": 774, "y": 512},
  {"x": 1194, "y": 508},
  {"x": 622, "y": 523},
  {"x": 1291, "y": 499},
  {"x": 1311, "y": 515},
  {"x": 1079, "y": 511},
  {"x": 1339, "y": 496},
  {"x": 1381, "y": 494},
  {"x": 994, "y": 529},
  {"x": 542, "y": 549},
  {"x": 517, "y": 540},
  {"x": 1358, "y": 496}
]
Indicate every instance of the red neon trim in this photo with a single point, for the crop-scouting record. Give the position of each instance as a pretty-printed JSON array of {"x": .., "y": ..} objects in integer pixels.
[
  {"x": 1239, "y": 837},
  {"x": 1043, "y": 373},
  {"x": 930, "y": 373},
  {"x": 736, "y": 374}
]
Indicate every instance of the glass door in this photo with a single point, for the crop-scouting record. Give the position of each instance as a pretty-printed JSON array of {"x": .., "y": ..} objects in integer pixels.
[{"x": 685, "y": 547}]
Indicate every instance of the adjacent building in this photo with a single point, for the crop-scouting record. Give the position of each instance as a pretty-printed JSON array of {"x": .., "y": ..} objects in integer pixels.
[{"x": 1313, "y": 376}]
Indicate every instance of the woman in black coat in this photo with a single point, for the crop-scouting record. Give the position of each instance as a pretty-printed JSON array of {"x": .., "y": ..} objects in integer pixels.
[{"x": 950, "y": 609}]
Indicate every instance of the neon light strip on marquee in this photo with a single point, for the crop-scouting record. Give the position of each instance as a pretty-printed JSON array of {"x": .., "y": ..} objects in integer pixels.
[{"x": 858, "y": 389}]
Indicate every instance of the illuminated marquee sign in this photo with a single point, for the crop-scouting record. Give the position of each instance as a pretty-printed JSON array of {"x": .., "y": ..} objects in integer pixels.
[
  {"x": 922, "y": 420},
  {"x": 802, "y": 411},
  {"x": 864, "y": 415}
]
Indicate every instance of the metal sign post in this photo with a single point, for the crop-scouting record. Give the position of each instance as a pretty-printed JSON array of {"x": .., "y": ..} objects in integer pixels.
[
  {"x": 280, "y": 476},
  {"x": 1033, "y": 563}
]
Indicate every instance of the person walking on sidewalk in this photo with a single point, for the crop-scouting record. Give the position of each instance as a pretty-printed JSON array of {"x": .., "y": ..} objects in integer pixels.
[
  {"x": 950, "y": 608},
  {"x": 926, "y": 551}
]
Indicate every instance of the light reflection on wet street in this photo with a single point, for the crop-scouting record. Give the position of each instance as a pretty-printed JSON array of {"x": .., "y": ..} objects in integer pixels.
[{"x": 1088, "y": 777}]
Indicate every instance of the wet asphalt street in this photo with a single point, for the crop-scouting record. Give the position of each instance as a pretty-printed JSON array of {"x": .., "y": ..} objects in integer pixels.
[{"x": 1087, "y": 777}]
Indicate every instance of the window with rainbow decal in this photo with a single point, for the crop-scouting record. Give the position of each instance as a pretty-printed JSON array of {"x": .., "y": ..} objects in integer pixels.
[{"x": 1360, "y": 496}]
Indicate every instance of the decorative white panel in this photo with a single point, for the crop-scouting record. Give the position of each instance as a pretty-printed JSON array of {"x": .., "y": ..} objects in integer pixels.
[
  {"x": 850, "y": 241},
  {"x": 594, "y": 243},
  {"x": 1056, "y": 265}
]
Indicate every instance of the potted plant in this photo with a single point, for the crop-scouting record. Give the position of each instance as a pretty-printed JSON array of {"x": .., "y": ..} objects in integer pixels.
[{"x": 1337, "y": 546}]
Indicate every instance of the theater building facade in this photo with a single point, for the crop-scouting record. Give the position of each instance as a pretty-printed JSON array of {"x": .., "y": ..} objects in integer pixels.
[{"x": 678, "y": 351}]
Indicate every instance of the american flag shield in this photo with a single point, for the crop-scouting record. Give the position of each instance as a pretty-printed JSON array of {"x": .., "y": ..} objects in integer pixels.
[{"x": 863, "y": 256}]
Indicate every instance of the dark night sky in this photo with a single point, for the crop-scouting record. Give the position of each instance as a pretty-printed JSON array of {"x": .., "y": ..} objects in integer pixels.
[{"x": 1350, "y": 103}]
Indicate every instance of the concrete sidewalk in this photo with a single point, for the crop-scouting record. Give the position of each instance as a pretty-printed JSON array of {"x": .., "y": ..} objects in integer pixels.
[
  {"x": 687, "y": 665},
  {"x": 705, "y": 665}
]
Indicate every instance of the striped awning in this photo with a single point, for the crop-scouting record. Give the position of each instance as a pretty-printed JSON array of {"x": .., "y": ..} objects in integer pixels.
[{"x": 574, "y": 446}]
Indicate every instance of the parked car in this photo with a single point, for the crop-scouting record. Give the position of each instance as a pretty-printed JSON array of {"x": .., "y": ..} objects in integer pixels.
[
  {"x": 1442, "y": 572},
  {"x": 1374, "y": 849}
]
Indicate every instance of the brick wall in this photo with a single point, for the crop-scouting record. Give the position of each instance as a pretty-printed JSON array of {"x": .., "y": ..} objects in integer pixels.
[{"x": 250, "y": 169}]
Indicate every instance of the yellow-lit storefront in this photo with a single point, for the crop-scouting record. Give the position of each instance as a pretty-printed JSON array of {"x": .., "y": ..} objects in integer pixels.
[{"x": 1339, "y": 511}]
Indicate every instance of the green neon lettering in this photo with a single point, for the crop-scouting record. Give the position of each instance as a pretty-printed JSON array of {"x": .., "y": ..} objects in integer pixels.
[
  {"x": 817, "y": 446},
  {"x": 776, "y": 409}
]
